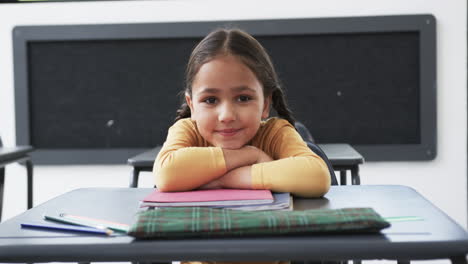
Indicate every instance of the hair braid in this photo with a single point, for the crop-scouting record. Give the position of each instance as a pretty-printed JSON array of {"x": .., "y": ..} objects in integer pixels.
[
  {"x": 280, "y": 105},
  {"x": 183, "y": 112}
]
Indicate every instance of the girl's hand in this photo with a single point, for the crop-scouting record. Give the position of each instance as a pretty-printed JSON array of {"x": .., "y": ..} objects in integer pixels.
[
  {"x": 239, "y": 178},
  {"x": 263, "y": 157},
  {"x": 215, "y": 184},
  {"x": 260, "y": 155},
  {"x": 245, "y": 156}
]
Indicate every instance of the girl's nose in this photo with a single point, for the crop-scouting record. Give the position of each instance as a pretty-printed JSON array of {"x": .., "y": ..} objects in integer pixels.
[{"x": 227, "y": 113}]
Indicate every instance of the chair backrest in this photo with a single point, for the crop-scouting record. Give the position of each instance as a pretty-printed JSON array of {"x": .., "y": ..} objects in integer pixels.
[
  {"x": 304, "y": 132},
  {"x": 317, "y": 150},
  {"x": 307, "y": 137}
]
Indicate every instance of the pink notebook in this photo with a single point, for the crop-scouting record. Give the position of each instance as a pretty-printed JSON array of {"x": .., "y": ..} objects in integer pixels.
[{"x": 209, "y": 197}]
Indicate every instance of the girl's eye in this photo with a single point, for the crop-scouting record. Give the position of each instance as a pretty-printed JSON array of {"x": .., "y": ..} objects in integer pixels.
[
  {"x": 210, "y": 100},
  {"x": 244, "y": 98}
]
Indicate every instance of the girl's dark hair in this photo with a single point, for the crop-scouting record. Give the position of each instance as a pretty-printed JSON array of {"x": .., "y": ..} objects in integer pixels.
[{"x": 242, "y": 45}]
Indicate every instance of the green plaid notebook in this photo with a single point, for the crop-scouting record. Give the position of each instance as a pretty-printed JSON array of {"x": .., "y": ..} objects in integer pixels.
[{"x": 210, "y": 222}]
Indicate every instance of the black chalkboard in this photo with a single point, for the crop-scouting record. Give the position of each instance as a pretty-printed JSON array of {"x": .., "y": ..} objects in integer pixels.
[
  {"x": 105, "y": 94},
  {"x": 89, "y": 92},
  {"x": 352, "y": 87}
]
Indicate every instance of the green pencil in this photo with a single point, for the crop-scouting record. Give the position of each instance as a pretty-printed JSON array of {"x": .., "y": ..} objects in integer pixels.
[{"x": 403, "y": 218}]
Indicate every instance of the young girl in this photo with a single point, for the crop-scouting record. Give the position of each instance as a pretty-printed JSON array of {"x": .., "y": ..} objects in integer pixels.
[{"x": 219, "y": 139}]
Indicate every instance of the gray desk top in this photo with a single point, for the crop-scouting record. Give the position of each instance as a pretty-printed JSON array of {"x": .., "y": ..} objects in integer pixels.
[
  {"x": 338, "y": 154},
  {"x": 435, "y": 237}
]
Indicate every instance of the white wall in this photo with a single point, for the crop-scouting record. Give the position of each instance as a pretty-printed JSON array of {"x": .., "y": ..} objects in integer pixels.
[{"x": 442, "y": 181}]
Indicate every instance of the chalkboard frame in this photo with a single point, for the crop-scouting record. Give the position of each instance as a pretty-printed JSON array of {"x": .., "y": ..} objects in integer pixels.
[{"x": 425, "y": 24}]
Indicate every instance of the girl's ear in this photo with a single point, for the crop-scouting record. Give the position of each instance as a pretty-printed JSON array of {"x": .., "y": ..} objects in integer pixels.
[
  {"x": 188, "y": 99},
  {"x": 266, "y": 107}
]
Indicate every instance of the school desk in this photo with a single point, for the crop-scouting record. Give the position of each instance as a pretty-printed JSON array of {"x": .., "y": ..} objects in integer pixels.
[
  {"x": 343, "y": 157},
  {"x": 436, "y": 236}
]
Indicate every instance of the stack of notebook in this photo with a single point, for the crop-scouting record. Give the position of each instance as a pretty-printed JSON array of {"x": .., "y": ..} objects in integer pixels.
[{"x": 234, "y": 199}]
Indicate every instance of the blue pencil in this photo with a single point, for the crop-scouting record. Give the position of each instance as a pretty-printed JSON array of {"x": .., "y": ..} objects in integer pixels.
[{"x": 69, "y": 228}]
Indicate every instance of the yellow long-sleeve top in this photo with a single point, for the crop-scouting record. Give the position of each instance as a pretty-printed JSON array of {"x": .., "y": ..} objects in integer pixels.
[{"x": 187, "y": 161}]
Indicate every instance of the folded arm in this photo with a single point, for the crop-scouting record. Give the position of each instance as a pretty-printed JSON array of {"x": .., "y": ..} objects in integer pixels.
[
  {"x": 180, "y": 166},
  {"x": 302, "y": 176},
  {"x": 296, "y": 168},
  {"x": 239, "y": 175}
]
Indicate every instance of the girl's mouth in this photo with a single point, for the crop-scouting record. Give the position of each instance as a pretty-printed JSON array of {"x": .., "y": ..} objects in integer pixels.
[{"x": 228, "y": 132}]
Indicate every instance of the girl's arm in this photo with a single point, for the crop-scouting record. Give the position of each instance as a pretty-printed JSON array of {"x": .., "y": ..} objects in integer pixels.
[
  {"x": 302, "y": 176},
  {"x": 239, "y": 177},
  {"x": 180, "y": 166},
  {"x": 296, "y": 169},
  {"x": 247, "y": 155}
]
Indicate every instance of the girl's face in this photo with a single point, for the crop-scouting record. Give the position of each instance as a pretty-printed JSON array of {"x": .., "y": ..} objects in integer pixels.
[{"x": 227, "y": 102}]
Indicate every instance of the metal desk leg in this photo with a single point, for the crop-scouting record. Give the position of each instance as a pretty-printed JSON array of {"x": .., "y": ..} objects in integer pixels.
[
  {"x": 342, "y": 177},
  {"x": 134, "y": 178},
  {"x": 29, "y": 168},
  {"x": 355, "y": 179},
  {"x": 2, "y": 181},
  {"x": 459, "y": 260}
]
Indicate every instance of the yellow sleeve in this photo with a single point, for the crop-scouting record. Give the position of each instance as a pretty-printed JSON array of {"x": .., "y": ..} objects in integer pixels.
[
  {"x": 296, "y": 168},
  {"x": 184, "y": 163}
]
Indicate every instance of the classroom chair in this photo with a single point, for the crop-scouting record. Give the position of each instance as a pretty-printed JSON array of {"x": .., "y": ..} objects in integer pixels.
[
  {"x": 317, "y": 150},
  {"x": 307, "y": 137},
  {"x": 11, "y": 155},
  {"x": 304, "y": 132}
]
